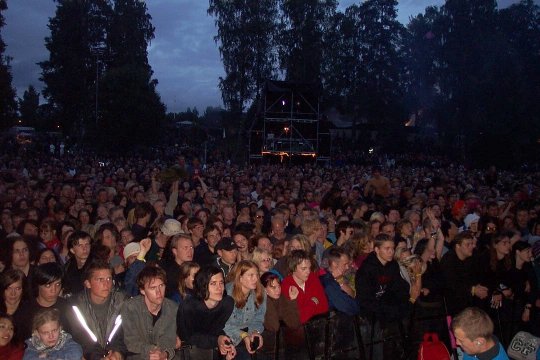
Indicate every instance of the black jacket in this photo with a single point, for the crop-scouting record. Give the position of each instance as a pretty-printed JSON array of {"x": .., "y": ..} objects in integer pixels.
[
  {"x": 381, "y": 291},
  {"x": 459, "y": 276},
  {"x": 200, "y": 326}
]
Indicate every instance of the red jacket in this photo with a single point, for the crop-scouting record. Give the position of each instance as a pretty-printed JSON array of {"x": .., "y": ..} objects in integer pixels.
[{"x": 307, "y": 307}]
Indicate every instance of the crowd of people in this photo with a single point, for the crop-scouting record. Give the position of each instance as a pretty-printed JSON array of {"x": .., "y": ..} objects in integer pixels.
[{"x": 115, "y": 257}]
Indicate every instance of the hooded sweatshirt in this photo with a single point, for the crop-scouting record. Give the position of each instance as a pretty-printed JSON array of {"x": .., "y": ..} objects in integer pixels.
[{"x": 381, "y": 291}]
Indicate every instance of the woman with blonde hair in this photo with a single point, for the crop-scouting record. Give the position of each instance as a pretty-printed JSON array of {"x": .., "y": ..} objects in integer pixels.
[
  {"x": 263, "y": 259},
  {"x": 49, "y": 340},
  {"x": 245, "y": 324}
]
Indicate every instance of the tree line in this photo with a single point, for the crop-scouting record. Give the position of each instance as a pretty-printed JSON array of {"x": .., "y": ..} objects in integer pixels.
[
  {"x": 467, "y": 70},
  {"x": 99, "y": 87}
]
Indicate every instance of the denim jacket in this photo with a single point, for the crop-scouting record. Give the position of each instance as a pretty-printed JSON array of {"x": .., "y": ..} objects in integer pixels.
[{"x": 248, "y": 317}]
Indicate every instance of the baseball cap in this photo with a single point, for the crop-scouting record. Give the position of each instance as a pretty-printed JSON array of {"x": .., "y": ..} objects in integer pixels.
[{"x": 227, "y": 244}]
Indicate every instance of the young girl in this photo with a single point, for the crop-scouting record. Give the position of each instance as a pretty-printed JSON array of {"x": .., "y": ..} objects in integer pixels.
[{"x": 49, "y": 341}]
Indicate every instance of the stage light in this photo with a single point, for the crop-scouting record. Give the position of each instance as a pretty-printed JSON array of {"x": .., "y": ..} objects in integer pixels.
[
  {"x": 283, "y": 102},
  {"x": 286, "y": 129},
  {"x": 370, "y": 150}
]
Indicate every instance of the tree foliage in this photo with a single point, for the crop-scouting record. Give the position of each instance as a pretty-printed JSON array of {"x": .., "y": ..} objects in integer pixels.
[
  {"x": 302, "y": 47},
  {"x": 29, "y": 107},
  {"x": 131, "y": 112},
  {"x": 246, "y": 36},
  {"x": 97, "y": 78},
  {"x": 77, "y": 30},
  {"x": 8, "y": 106}
]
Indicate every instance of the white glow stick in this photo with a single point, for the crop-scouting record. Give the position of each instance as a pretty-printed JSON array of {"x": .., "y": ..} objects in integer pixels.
[
  {"x": 117, "y": 324},
  {"x": 83, "y": 323}
]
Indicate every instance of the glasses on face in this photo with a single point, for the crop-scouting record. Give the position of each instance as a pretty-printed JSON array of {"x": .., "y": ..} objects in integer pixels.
[
  {"x": 491, "y": 228},
  {"x": 49, "y": 333},
  {"x": 266, "y": 260},
  {"x": 259, "y": 216}
]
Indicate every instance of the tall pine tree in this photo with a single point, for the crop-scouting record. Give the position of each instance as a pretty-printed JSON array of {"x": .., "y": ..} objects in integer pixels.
[
  {"x": 8, "y": 106},
  {"x": 29, "y": 106},
  {"x": 77, "y": 30},
  {"x": 381, "y": 37},
  {"x": 302, "y": 47},
  {"x": 131, "y": 111},
  {"x": 246, "y": 34}
]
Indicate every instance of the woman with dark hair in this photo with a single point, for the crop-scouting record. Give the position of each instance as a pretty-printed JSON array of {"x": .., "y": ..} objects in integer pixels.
[
  {"x": 10, "y": 348},
  {"x": 13, "y": 298},
  {"x": 107, "y": 235},
  {"x": 525, "y": 289},
  {"x": 46, "y": 256},
  {"x": 49, "y": 201},
  {"x": 311, "y": 299},
  {"x": 86, "y": 225},
  {"x": 245, "y": 325},
  {"x": 496, "y": 263},
  {"x": 201, "y": 318},
  {"x": 20, "y": 255},
  {"x": 432, "y": 279},
  {"x": 46, "y": 289},
  {"x": 186, "y": 279}
]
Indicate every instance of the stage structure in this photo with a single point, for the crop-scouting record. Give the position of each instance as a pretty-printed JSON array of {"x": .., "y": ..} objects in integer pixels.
[{"x": 288, "y": 128}]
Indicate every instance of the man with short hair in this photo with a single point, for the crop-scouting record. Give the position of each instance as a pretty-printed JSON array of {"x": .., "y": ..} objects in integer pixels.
[
  {"x": 389, "y": 229},
  {"x": 380, "y": 290},
  {"x": 344, "y": 231},
  {"x": 182, "y": 249},
  {"x": 278, "y": 236},
  {"x": 95, "y": 317},
  {"x": 383, "y": 296},
  {"x": 205, "y": 252},
  {"x": 227, "y": 250},
  {"x": 473, "y": 330},
  {"x": 340, "y": 295},
  {"x": 195, "y": 227},
  {"x": 149, "y": 326},
  {"x": 79, "y": 245},
  {"x": 378, "y": 186},
  {"x": 227, "y": 214},
  {"x": 461, "y": 278},
  {"x": 142, "y": 214}
]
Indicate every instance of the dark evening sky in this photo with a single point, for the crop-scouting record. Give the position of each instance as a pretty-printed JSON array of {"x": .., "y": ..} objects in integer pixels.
[{"x": 183, "y": 55}]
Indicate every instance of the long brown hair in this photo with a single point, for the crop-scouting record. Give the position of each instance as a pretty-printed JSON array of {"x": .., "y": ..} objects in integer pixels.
[
  {"x": 240, "y": 269},
  {"x": 185, "y": 271},
  {"x": 507, "y": 260}
]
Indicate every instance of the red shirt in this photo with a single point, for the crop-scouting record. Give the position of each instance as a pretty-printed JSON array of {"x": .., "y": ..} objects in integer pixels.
[
  {"x": 310, "y": 302},
  {"x": 12, "y": 352}
]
